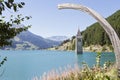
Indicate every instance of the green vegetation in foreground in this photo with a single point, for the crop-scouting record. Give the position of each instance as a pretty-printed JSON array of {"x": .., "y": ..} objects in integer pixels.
[
  {"x": 107, "y": 72},
  {"x": 95, "y": 36},
  {"x": 7, "y": 31}
]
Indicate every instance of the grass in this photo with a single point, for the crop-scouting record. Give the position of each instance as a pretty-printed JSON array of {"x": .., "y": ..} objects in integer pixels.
[{"x": 84, "y": 73}]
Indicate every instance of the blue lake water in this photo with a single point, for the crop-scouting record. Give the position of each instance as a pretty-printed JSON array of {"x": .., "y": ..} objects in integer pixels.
[{"x": 24, "y": 65}]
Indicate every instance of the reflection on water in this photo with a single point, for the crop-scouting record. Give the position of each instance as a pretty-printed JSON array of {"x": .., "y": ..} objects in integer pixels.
[
  {"x": 79, "y": 59},
  {"x": 90, "y": 58}
]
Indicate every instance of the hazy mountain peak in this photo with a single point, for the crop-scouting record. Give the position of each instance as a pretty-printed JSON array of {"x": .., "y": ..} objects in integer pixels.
[{"x": 58, "y": 38}]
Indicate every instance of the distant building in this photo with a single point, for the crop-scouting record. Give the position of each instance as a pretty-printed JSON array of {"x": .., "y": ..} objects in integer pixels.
[{"x": 78, "y": 46}]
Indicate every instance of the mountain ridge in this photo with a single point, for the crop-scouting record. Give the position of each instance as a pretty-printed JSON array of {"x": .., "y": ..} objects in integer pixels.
[{"x": 28, "y": 41}]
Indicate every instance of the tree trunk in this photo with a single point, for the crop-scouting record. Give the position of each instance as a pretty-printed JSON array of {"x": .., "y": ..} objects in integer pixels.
[{"x": 106, "y": 26}]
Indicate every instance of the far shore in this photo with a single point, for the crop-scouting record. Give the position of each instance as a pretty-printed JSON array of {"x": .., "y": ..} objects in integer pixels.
[{"x": 92, "y": 48}]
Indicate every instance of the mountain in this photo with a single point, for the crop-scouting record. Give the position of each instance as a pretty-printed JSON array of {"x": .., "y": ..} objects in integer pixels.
[
  {"x": 28, "y": 40},
  {"x": 37, "y": 40},
  {"x": 95, "y": 36},
  {"x": 58, "y": 38}
]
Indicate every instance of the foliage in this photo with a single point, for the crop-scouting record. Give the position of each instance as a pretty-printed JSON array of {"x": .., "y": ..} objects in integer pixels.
[
  {"x": 7, "y": 31},
  {"x": 65, "y": 41},
  {"x": 10, "y": 4},
  {"x": 3, "y": 61},
  {"x": 98, "y": 57}
]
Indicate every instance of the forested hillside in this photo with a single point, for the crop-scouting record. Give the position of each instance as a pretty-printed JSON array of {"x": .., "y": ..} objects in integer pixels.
[{"x": 94, "y": 34}]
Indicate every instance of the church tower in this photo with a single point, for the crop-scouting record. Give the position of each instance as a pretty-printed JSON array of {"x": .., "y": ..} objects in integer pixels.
[{"x": 78, "y": 46}]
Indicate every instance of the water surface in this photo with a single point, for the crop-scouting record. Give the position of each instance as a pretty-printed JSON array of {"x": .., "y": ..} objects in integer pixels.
[{"x": 24, "y": 65}]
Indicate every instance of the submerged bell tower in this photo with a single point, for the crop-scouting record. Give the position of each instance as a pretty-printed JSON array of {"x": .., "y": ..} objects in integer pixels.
[{"x": 78, "y": 46}]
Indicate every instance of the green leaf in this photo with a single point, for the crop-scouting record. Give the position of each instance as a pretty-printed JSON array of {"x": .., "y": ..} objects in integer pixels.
[
  {"x": 27, "y": 17},
  {"x": 15, "y": 7},
  {"x": 8, "y": 5},
  {"x": 2, "y": 62},
  {"x": 20, "y": 6},
  {"x": 11, "y": 1},
  {"x": 22, "y": 3},
  {"x": 1, "y": 0},
  {"x": 0, "y": 10},
  {"x": 5, "y": 59}
]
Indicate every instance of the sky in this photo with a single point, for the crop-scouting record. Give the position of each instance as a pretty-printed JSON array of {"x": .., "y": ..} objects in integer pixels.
[{"x": 47, "y": 20}]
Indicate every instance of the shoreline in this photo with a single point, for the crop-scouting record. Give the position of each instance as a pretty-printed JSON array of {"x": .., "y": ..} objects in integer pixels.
[{"x": 92, "y": 48}]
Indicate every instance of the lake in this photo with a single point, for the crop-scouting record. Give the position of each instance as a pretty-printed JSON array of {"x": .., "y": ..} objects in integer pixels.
[{"x": 24, "y": 65}]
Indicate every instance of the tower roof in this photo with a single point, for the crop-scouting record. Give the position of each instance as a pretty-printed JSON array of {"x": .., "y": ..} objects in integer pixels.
[{"x": 79, "y": 33}]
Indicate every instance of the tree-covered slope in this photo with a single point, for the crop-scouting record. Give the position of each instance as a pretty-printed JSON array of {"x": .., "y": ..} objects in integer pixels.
[{"x": 95, "y": 35}]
